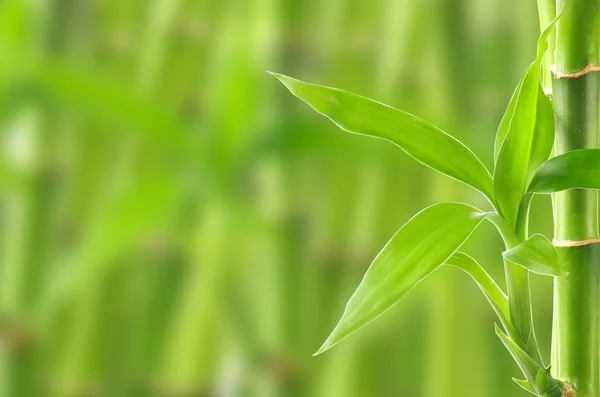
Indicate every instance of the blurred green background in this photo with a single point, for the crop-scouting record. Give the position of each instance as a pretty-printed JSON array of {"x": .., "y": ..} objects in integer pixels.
[{"x": 174, "y": 223}]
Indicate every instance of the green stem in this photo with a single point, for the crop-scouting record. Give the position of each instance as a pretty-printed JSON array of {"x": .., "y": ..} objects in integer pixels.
[
  {"x": 576, "y": 328},
  {"x": 547, "y": 12},
  {"x": 517, "y": 283}
]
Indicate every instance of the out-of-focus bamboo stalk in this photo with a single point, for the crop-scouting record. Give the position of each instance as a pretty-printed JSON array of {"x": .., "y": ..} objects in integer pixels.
[{"x": 450, "y": 333}]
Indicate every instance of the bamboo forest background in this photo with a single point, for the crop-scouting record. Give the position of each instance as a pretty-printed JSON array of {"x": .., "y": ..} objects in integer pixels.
[{"x": 173, "y": 223}]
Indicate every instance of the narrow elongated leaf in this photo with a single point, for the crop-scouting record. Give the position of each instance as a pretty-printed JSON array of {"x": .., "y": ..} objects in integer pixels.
[
  {"x": 547, "y": 385},
  {"x": 528, "y": 365},
  {"x": 524, "y": 139},
  {"x": 544, "y": 128},
  {"x": 544, "y": 134},
  {"x": 538, "y": 255},
  {"x": 525, "y": 385},
  {"x": 486, "y": 283},
  {"x": 574, "y": 169},
  {"x": 422, "y": 245},
  {"x": 421, "y": 140},
  {"x": 506, "y": 119}
]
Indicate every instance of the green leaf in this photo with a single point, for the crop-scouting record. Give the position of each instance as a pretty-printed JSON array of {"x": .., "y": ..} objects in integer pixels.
[
  {"x": 422, "y": 245},
  {"x": 538, "y": 255},
  {"x": 547, "y": 385},
  {"x": 524, "y": 139},
  {"x": 574, "y": 169},
  {"x": 421, "y": 140},
  {"x": 544, "y": 128},
  {"x": 543, "y": 379},
  {"x": 528, "y": 365},
  {"x": 486, "y": 283},
  {"x": 544, "y": 134},
  {"x": 525, "y": 385}
]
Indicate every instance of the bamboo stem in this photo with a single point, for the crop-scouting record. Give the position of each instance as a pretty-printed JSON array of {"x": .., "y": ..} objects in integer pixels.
[{"x": 576, "y": 328}]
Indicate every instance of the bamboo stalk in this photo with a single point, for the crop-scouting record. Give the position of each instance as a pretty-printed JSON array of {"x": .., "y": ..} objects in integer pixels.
[{"x": 576, "y": 328}]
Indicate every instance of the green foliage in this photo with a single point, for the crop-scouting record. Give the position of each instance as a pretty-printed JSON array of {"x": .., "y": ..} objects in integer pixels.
[
  {"x": 537, "y": 254},
  {"x": 421, "y": 246},
  {"x": 527, "y": 365},
  {"x": 524, "y": 142},
  {"x": 524, "y": 139},
  {"x": 486, "y": 283},
  {"x": 575, "y": 169},
  {"x": 421, "y": 140},
  {"x": 539, "y": 381}
]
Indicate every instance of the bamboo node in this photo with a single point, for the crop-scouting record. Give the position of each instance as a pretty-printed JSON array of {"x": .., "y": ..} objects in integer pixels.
[
  {"x": 568, "y": 390},
  {"x": 575, "y": 243},
  {"x": 589, "y": 68}
]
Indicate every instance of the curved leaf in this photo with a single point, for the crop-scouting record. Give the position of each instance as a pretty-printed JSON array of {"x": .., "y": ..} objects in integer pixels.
[
  {"x": 529, "y": 367},
  {"x": 486, "y": 283},
  {"x": 544, "y": 128},
  {"x": 422, "y": 245},
  {"x": 525, "y": 385},
  {"x": 421, "y": 140},
  {"x": 574, "y": 169},
  {"x": 538, "y": 255},
  {"x": 524, "y": 139},
  {"x": 543, "y": 141}
]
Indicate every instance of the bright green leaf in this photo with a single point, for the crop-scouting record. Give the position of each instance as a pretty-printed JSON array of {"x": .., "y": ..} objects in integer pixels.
[
  {"x": 421, "y": 140},
  {"x": 547, "y": 385},
  {"x": 544, "y": 134},
  {"x": 528, "y": 365},
  {"x": 538, "y": 255},
  {"x": 486, "y": 283},
  {"x": 525, "y": 385},
  {"x": 422, "y": 245},
  {"x": 506, "y": 119},
  {"x": 544, "y": 128},
  {"x": 574, "y": 169},
  {"x": 524, "y": 139}
]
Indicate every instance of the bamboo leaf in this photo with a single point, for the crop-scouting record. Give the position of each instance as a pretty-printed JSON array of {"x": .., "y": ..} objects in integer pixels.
[
  {"x": 528, "y": 365},
  {"x": 574, "y": 169},
  {"x": 486, "y": 283},
  {"x": 422, "y": 245},
  {"x": 538, "y": 255},
  {"x": 544, "y": 133},
  {"x": 525, "y": 385},
  {"x": 544, "y": 128},
  {"x": 526, "y": 121},
  {"x": 547, "y": 385},
  {"x": 421, "y": 140}
]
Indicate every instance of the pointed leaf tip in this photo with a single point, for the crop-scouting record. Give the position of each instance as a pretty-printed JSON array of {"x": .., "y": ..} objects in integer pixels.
[
  {"x": 537, "y": 254},
  {"x": 525, "y": 385},
  {"x": 286, "y": 80},
  {"x": 577, "y": 169},
  {"x": 324, "y": 347},
  {"x": 424, "y": 142},
  {"x": 421, "y": 246},
  {"x": 529, "y": 367}
]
